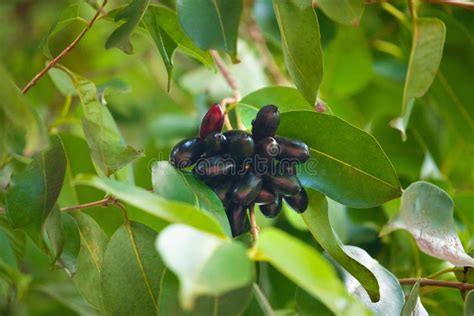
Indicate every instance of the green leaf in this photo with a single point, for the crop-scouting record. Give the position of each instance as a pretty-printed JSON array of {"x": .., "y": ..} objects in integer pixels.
[
  {"x": 391, "y": 294},
  {"x": 262, "y": 301},
  {"x": 218, "y": 265},
  {"x": 339, "y": 166},
  {"x": 411, "y": 301},
  {"x": 343, "y": 11},
  {"x": 166, "y": 45},
  {"x": 211, "y": 24},
  {"x": 308, "y": 269},
  {"x": 171, "y": 184},
  {"x": 33, "y": 192},
  {"x": 306, "y": 304},
  {"x": 316, "y": 218},
  {"x": 425, "y": 57},
  {"x": 302, "y": 50},
  {"x": 155, "y": 205},
  {"x": 89, "y": 261},
  {"x": 132, "y": 14},
  {"x": 347, "y": 64},
  {"x": 108, "y": 149},
  {"x": 469, "y": 304},
  {"x": 21, "y": 281},
  {"x": 131, "y": 272},
  {"x": 12, "y": 243},
  {"x": 18, "y": 113},
  {"x": 426, "y": 212}
]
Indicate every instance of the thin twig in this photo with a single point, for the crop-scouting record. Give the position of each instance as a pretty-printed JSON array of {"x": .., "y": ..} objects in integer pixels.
[
  {"x": 459, "y": 4},
  {"x": 53, "y": 62},
  {"x": 254, "y": 229},
  {"x": 2, "y": 210},
  {"x": 440, "y": 283},
  {"x": 110, "y": 200},
  {"x": 444, "y": 271}
]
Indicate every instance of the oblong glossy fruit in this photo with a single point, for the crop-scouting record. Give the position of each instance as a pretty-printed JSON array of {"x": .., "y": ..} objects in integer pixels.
[
  {"x": 223, "y": 191},
  {"x": 283, "y": 184},
  {"x": 298, "y": 202},
  {"x": 273, "y": 209},
  {"x": 268, "y": 148},
  {"x": 237, "y": 215},
  {"x": 292, "y": 149},
  {"x": 214, "y": 166},
  {"x": 215, "y": 143},
  {"x": 240, "y": 144},
  {"x": 265, "y": 196},
  {"x": 287, "y": 167},
  {"x": 186, "y": 152},
  {"x": 247, "y": 188},
  {"x": 212, "y": 121},
  {"x": 266, "y": 122}
]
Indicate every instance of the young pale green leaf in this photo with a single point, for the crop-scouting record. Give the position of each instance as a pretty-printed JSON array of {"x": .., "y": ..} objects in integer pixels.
[
  {"x": 131, "y": 272},
  {"x": 89, "y": 261},
  {"x": 391, "y": 294},
  {"x": 17, "y": 112},
  {"x": 302, "y": 50},
  {"x": 316, "y": 218},
  {"x": 346, "y": 164},
  {"x": 108, "y": 149},
  {"x": 426, "y": 212},
  {"x": 155, "y": 205},
  {"x": 308, "y": 269},
  {"x": 172, "y": 184},
  {"x": 232, "y": 303},
  {"x": 347, "y": 64},
  {"x": 218, "y": 266},
  {"x": 33, "y": 192},
  {"x": 425, "y": 57},
  {"x": 411, "y": 301},
  {"x": 343, "y": 11},
  {"x": 132, "y": 14},
  {"x": 211, "y": 24}
]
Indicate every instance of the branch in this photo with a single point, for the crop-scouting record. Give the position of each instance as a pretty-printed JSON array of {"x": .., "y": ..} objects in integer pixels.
[
  {"x": 53, "y": 62},
  {"x": 440, "y": 283},
  {"x": 459, "y": 4},
  {"x": 110, "y": 200},
  {"x": 254, "y": 229}
]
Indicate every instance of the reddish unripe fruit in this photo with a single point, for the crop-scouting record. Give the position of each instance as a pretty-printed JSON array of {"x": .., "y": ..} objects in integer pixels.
[
  {"x": 299, "y": 201},
  {"x": 212, "y": 121}
]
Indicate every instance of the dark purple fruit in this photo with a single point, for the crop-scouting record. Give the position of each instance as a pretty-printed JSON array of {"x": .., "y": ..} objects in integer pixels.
[
  {"x": 215, "y": 143},
  {"x": 287, "y": 167},
  {"x": 186, "y": 152},
  {"x": 214, "y": 166},
  {"x": 237, "y": 215},
  {"x": 292, "y": 149},
  {"x": 223, "y": 191},
  {"x": 212, "y": 121},
  {"x": 265, "y": 197},
  {"x": 283, "y": 184},
  {"x": 266, "y": 122},
  {"x": 240, "y": 144},
  {"x": 247, "y": 188},
  {"x": 273, "y": 209},
  {"x": 268, "y": 148},
  {"x": 299, "y": 201}
]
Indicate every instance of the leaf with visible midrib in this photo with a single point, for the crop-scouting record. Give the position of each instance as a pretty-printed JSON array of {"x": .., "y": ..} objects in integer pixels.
[
  {"x": 347, "y": 164},
  {"x": 316, "y": 218},
  {"x": 302, "y": 50},
  {"x": 131, "y": 272},
  {"x": 343, "y": 11}
]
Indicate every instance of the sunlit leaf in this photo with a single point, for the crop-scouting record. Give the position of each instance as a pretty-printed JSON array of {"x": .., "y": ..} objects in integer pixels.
[
  {"x": 302, "y": 50},
  {"x": 218, "y": 265},
  {"x": 343, "y": 11},
  {"x": 426, "y": 212}
]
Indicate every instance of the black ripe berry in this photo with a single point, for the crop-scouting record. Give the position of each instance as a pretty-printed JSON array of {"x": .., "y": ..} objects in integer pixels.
[
  {"x": 245, "y": 169},
  {"x": 186, "y": 152}
]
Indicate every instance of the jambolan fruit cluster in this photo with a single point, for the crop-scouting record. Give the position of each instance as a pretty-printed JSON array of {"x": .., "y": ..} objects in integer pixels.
[{"x": 243, "y": 168}]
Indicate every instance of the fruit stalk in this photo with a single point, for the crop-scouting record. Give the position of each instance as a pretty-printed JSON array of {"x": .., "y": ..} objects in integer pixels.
[{"x": 254, "y": 229}]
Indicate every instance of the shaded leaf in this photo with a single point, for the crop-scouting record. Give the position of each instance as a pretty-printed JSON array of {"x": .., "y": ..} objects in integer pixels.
[
  {"x": 33, "y": 192},
  {"x": 218, "y": 265},
  {"x": 308, "y": 269},
  {"x": 171, "y": 184},
  {"x": 302, "y": 50},
  {"x": 316, "y": 218},
  {"x": 412, "y": 300},
  {"x": 426, "y": 212},
  {"x": 12, "y": 275},
  {"x": 12, "y": 243},
  {"x": 425, "y": 57},
  {"x": 211, "y": 24},
  {"x": 131, "y": 272},
  {"x": 132, "y": 14},
  {"x": 306, "y": 305},
  {"x": 469, "y": 304},
  {"x": 262, "y": 301},
  {"x": 343, "y": 11},
  {"x": 154, "y": 205},
  {"x": 339, "y": 166}
]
